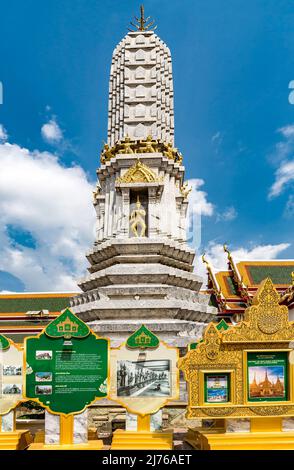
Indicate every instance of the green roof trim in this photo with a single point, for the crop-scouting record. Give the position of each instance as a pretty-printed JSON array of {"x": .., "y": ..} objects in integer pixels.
[
  {"x": 22, "y": 305},
  {"x": 19, "y": 337},
  {"x": 222, "y": 325},
  {"x": 232, "y": 287},
  {"x": 212, "y": 301},
  {"x": 25, "y": 322},
  {"x": 278, "y": 274},
  {"x": 4, "y": 343}
]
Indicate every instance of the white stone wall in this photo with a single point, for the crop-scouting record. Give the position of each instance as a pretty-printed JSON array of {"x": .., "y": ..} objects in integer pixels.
[{"x": 141, "y": 89}]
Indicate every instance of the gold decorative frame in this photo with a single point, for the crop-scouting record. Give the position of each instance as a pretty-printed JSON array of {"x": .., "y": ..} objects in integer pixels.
[
  {"x": 265, "y": 328},
  {"x": 232, "y": 390},
  {"x": 290, "y": 374}
]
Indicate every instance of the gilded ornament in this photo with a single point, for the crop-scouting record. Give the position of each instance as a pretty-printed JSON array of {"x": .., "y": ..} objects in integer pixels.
[
  {"x": 271, "y": 410},
  {"x": 137, "y": 220},
  {"x": 212, "y": 342},
  {"x": 142, "y": 23},
  {"x": 185, "y": 190},
  {"x": 150, "y": 145},
  {"x": 139, "y": 173},
  {"x": 265, "y": 329},
  {"x": 96, "y": 192}
]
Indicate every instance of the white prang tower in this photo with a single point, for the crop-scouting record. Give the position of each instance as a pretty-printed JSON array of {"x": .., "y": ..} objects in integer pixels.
[{"x": 141, "y": 268}]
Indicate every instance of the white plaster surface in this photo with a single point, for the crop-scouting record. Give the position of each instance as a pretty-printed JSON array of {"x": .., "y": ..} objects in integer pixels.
[
  {"x": 8, "y": 422},
  {"x": 52, "y": 428},
  {"x": 131, "y": 422},
  {"x": 238, "y": 425},
  {"x": 156, "y": 421},
  {"x": 81, "y": 428}
]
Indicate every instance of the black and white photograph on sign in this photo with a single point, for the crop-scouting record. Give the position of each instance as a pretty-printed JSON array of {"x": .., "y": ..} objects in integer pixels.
[
  {"x": 11, "y": 389},
  {"x": 12, "y": 370},
  {"x": 44, "y": 355},
  {"x": 143, "y": 378},
  {"x": 43, "y": 390}
]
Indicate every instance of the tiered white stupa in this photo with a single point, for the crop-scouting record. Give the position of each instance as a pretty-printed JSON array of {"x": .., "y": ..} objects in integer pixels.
[{"x": 141, "y": 268}]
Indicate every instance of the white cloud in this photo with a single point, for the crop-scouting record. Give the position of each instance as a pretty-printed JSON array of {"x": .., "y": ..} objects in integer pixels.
[
  {"x": 53, "y": 203},
  {"x": 3, "y": 134},
  {"x": 283, "y": 155},
  {"x": 198, "y": 202},
  {"x": 289, "y": 209},
  {"x": 260, "y": 252},
  {"x": 215, "y": 254},
  {"x": 228, "y": 215},
  {"x": 287, "y": 131},
  {"x": 198, "y": 206},
  {"x": 284, "y": 176},
  {"x": 51, "y": 132},
  {"x": 216, "y": 137}
]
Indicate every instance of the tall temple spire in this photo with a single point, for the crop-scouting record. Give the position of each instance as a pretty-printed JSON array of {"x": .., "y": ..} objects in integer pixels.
[
  {"x": 141, "y": 267},
  {"x": 141, "y": 24},
  {"x": 141, "y": 97}
]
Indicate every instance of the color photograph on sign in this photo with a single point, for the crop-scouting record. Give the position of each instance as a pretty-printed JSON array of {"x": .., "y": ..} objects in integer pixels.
[
  {"x": 217, "y": 388},
  {"x": 267, "y": 376}
]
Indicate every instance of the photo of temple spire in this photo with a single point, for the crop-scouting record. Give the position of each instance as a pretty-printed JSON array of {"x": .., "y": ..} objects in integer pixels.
[{"x": 271, "y": 385}]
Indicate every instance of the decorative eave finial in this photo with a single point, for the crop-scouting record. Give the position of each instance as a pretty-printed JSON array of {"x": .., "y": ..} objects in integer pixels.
[
  {"x": 216, "y": 290},
  {"x": 142, "y": 23},
  {"x": 237, "y": 278}
]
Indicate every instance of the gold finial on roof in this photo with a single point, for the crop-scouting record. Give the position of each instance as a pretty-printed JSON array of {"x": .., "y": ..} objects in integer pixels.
[
  {"x": 142, "y": 23},
  {"x": 205, "y": 260},
  {"x": 226, "y": 249}
]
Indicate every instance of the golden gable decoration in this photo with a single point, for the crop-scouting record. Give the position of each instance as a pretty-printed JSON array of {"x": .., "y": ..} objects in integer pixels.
[
  {"x": 67, "y": 326},
  {"x": 139, "y": 173},
  {"x": 265, "y": 321},
  {"x": 143, "y": 339},
  {"x": 212, "y": 341},
  {"x": 234, "y": 372}
]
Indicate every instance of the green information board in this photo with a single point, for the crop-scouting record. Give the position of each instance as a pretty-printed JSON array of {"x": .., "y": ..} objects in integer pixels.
[
  {"x": 68, "y": 371},
  {"x": 267, "y": 376}
]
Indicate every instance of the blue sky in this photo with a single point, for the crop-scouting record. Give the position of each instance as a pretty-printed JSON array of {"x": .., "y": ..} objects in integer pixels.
[{"x": 232, "y": 64}]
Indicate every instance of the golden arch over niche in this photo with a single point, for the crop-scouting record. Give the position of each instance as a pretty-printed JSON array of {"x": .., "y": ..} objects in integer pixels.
[{"x": 139, "y": 173}]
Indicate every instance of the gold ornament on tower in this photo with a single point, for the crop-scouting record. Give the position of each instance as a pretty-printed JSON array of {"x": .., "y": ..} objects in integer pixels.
[
  {"x": 137, "y": 219},
  {"x": 185, "y": 190}
]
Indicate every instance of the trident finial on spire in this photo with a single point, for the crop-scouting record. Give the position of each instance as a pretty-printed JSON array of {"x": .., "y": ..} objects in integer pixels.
[{"x": 142, "y": 23}]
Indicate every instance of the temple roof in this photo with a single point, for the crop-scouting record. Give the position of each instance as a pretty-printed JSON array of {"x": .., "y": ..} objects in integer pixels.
[
  {"x": 26, "y": 314},
  {"x": 232, "y": 290}
]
